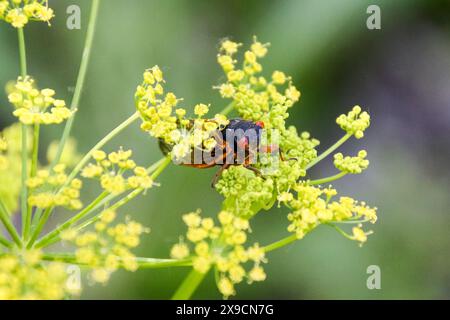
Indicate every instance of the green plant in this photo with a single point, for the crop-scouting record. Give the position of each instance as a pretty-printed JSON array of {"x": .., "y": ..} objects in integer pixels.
[{"x": 28, "y": 270}]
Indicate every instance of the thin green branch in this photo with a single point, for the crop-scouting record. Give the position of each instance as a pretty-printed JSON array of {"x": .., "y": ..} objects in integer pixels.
[
  {"x": 22, "y": 53},
  {"x": 350, "y": 221},
  {"x": 23, "y": 178},
  {"x": 143, "y": 263},
  {"x": 225, "y": 111},
  {"x": 189, "y": 285},
  {"x": 33, "y": 169},
  {"x": 41, "y": 223},
  {"x": 342, "y": 232},
  {"x": 24, "y": 156},
  {"x": 327, "y": 179},
  {"x": 328, "y": 151},
  {"x": 80, "y": 79},
  {"x": 280, "y": 243},
  {"x": 35, "y": 152},
  {"x": 6, "y": 220},
  {"x": 5, "y": 242}
]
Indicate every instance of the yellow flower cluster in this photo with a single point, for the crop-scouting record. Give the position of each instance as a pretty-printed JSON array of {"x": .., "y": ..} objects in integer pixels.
[
  {"x": 32, "y": 105},
  {"x": 156, "y": 109},
  {"x": 255, "y": 97},
  {"x": 110, "y": 169},
  {"x": 10, "y": 165},
  {"x": 108, "y": 247},
  {"x": 244, "y": 192},
  {"x": 268, "y": 100},
  {"x": 313, "y": 206},
  {"x": 221, "y": 247},
  {"x": 23, "y": 276},
  {"x": 349, "y": 164},
  {"x": 355, "y": 122},
  {"x": 19, "y": 12},
  {"x": 161, "y": 120},
  {"x": 44, "y": 186}
]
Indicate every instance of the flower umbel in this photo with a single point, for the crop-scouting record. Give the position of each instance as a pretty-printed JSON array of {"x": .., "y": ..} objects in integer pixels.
[
  {"x": 222, "y": 247},
  {"x": 111, "y": 168},
  {"x": 48, "y": 189},
  {"x": 108, "y": 247},
  {"x": 19, "y": 12},
  {"x": 25, "y": 276},
  {"x": 35, "y": 106}
]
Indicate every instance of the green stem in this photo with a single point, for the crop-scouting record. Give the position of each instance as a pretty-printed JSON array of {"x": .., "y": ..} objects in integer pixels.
[
  {"x": 189, "y": 285},
  {"x": 5, "y": 243},
  {"x": 342, "y": 232},
  {"x": 23, "y": 73},
  {"x": 143, "y": 263},
  {"x": 40, "y": 226},
  {"x": 280, "y": 243},
  {"x": 100, "y": 144},
  {"x": 34, "y": 164},
  {"x": 22, "y": 53},
  {"x": 69, "y": 222},
  {"x": 23, "y": 179},
  {"x": 327, "y": 179},
  {"x": 80, "y": 79},
  {"x": 5, "y": 218},
  {"x": 225, "y": 111},
  {"x": 328, "y": 151},
  {"x": 35, "y": 152}
]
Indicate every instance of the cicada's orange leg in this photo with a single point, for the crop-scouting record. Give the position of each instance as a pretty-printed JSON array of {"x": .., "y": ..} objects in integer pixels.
[{"x": 218, "y": 174}]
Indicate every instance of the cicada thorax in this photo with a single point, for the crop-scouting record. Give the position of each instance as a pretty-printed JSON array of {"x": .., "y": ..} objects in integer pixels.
[{"x": 236, "y": 143}]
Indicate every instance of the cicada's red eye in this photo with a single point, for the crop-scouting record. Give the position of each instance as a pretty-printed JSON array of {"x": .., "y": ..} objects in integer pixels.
[{"x": 260, "y": 124}]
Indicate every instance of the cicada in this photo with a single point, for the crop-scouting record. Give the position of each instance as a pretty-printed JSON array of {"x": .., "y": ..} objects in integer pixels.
[{"x": 237, "y": 143}]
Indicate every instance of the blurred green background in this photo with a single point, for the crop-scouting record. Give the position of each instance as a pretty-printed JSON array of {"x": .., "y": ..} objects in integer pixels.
[{"x": 400, "y": 73}]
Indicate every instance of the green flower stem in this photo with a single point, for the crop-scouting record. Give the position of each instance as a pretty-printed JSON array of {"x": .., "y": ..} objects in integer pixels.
[
  {"x": 34, "y": 159},
  {"x": 342, "y": 232},
  {"x": 22, "y": 53},
  {"x": 69, "y": 222},
  {"x": 143, "y": 263},
  {"x": 40, "y": 226},
  {"x": 24, "y": 188},
  {"x": 189, "y": 285},
  {"x": 34, "y": 164},
  {"x": 328, "y": 151},
  {"x": 99, "y": 145},
  {"x": 5, "y": 243},
  {"x": 6, "y": 220},
  {"x": 53, "y": 236},
  {"x": 327, "y": 179},
  {"x": 150, "y": 263},
  {"x": 80, "y": 79},
  {"x": 23, "y": 73},
  {"x": 280, "y": 243},
  {"x": 225, "y": 111},
  {"x": 350, "y": 221}
]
